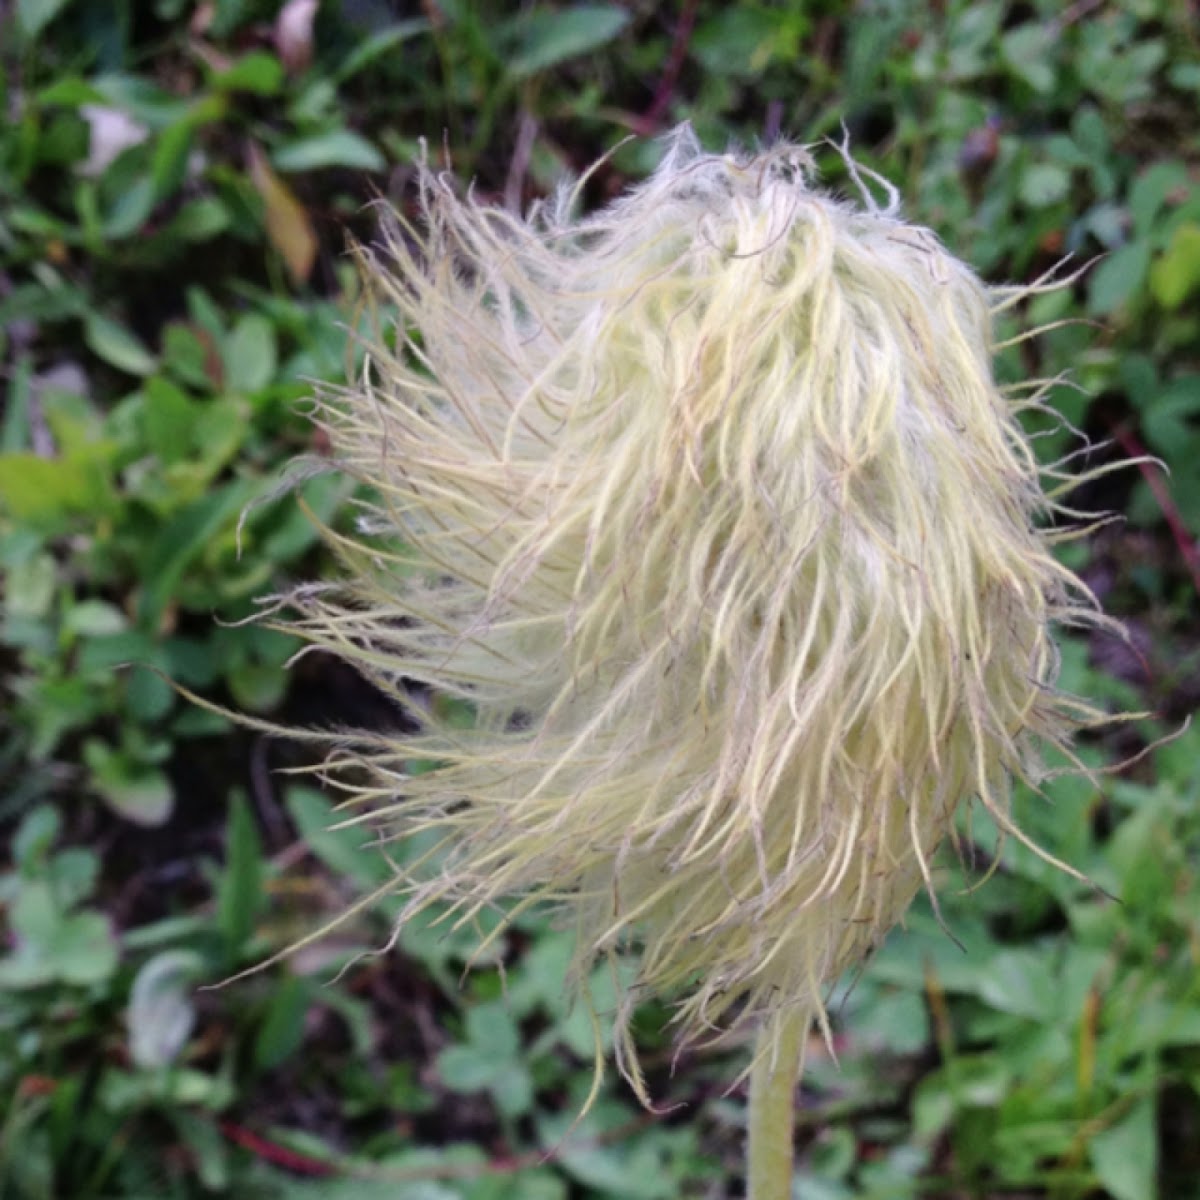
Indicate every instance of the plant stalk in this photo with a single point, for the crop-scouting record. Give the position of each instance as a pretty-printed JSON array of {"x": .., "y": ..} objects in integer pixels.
[{"x": 772, "y": 1107}]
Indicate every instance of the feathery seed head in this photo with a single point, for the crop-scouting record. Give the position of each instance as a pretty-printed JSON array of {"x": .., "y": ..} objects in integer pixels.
[{"x": 709, "y": 505}]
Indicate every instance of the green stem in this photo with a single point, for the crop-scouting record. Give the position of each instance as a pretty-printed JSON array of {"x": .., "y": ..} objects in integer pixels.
[{"x": 772, "y": 1107}]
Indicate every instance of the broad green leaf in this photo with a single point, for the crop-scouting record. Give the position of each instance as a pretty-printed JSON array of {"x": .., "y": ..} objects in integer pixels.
[
  {"x": 207, "y": 1150},
  {"x": 1176, "y": 275},
  {"x": 69, "y": 90},
  {"x": 189, "y": 354},
  {"x": 117, "y": 346},
  {"x": 1119, "y": 278},
  {"x": 125, "y": 1091},
  {"x": 467, "y": 1068},
  {"x": 1043, "y": 184},
  {"x": 35, "y": 916},
  {"x": 256, "y": 687},
  {"x": 141, "y": 98},
  {"x": 257, "y": 72},
  {"x": 199, "y": 220},
  {"x": 138, "y": 792},
  {"x": 1026, "y": 51},
  {"x": 94, "y": 618},
  {"x": 131, "y": 209},
  {"x": 1170, "y": 418},
  {"x": 1185, "y": 75},
  {"x": 250, "y": 354},
  {"x": 336, "y": 148},
  {"x": 181, "y": 541},
  {"x": 168, "y": 417},
  {"x": 73, "y": 873},
  {"x": 76, "y": 948},
  {"x": 347, "y": 852},
  {"x": 36, "y": 835},
  {"x": 34, "y": 15},
  {"x": 148, "y": 697},
  {"x": 47, "y": 491},
  {"x": 491, "y": 1026},
  {"x": 742, "y": 39},
  {"x": 85, "y": 949},
  {"x": 1125, "y": 1156},
  {"x": 1150, "y": 190},
  {"x": 29, "y": 588},
  {"x": 547, "y": 38}
]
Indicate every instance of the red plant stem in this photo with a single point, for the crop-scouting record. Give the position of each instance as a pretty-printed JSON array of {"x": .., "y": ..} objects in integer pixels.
[
  {"x": 648, "y": 121},
  {"x": 272, "y": 1152},
  {"x": 1132, "y": 445},
  {"x": 509, "y": 1164}
]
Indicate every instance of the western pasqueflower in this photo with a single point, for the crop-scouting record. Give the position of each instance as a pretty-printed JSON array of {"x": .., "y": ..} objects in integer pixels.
[{"x": 710, "y": 506}]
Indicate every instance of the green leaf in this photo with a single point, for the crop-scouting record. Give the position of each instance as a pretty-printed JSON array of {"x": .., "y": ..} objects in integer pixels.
[
  {"x": 186, "y": 356},
  {"x": 94, "y": 618},
  {"x": 282, "y": 1032},
  {"x": 199, "y": 220},
  {"x": 73, "y": 873},
  {"x": 1150, "y": 190},
  {"x": 467, "y": 1068},
  {"x": 368, "y": 49},
  {"x": 29, "y": 588},
  {"x": 181, "y": 541},
  {"x": 168, "y": 417},
  {"x": 1043, "y": 184},
  {"x": 206, "y": 1148},
  {"x": 36, "y": 835},
  {"x": 1169, "y": 419},
  {"x": 1125, "y": 1156},
  {"x": 168, "y": 166},
  {"x": 250, "y": 354},
  {"x": 70, "y": 91},
  {"x": 148, "y": 697},
  {"x": 34, "y": 15},
  {"x": 85, "y": 949},
  {"x": 117, "y": 346},
  {"x": 131, "y": 209},
  {"x": 1175, "y": 276},
  {"x": 548, "y": 38},
  {"x": 137, "y": 792},
  {"x": 220, "y": 429},
  {"x": 35, "y": 916},
  {"x": 1119, "y": 278},
  {"x": 240, "y": 892},
  {"x": 336, "y": 148},
  {"x": 256, "y": 686},
  {"x": 743, "y": 39},
  {"x": 344, "y": 851},
  {"x": 123, "y": 1091},
  {"x": 1025, "y": 51},
  {"x": 46, "y": 491},
  {"x": 257, "y": 72},
  {"x": 160, "y": 1015}
]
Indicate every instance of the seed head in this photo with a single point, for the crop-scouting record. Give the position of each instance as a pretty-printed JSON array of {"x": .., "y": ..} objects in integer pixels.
[{"x": 710, "y": 506}]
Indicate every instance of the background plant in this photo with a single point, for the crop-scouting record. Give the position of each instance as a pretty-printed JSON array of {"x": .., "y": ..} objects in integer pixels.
[{"x": 176, "y": 180}]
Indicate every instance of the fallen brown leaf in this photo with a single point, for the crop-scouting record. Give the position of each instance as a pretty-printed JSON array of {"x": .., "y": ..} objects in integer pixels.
[{"x": 289, "y": 226}]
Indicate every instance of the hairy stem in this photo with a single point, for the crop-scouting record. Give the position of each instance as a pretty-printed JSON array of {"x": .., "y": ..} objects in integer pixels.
[{"x": 772, "y": 1113}]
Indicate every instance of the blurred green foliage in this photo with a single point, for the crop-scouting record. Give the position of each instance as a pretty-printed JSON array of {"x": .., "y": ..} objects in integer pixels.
[{"x": 176, "y": 183}]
